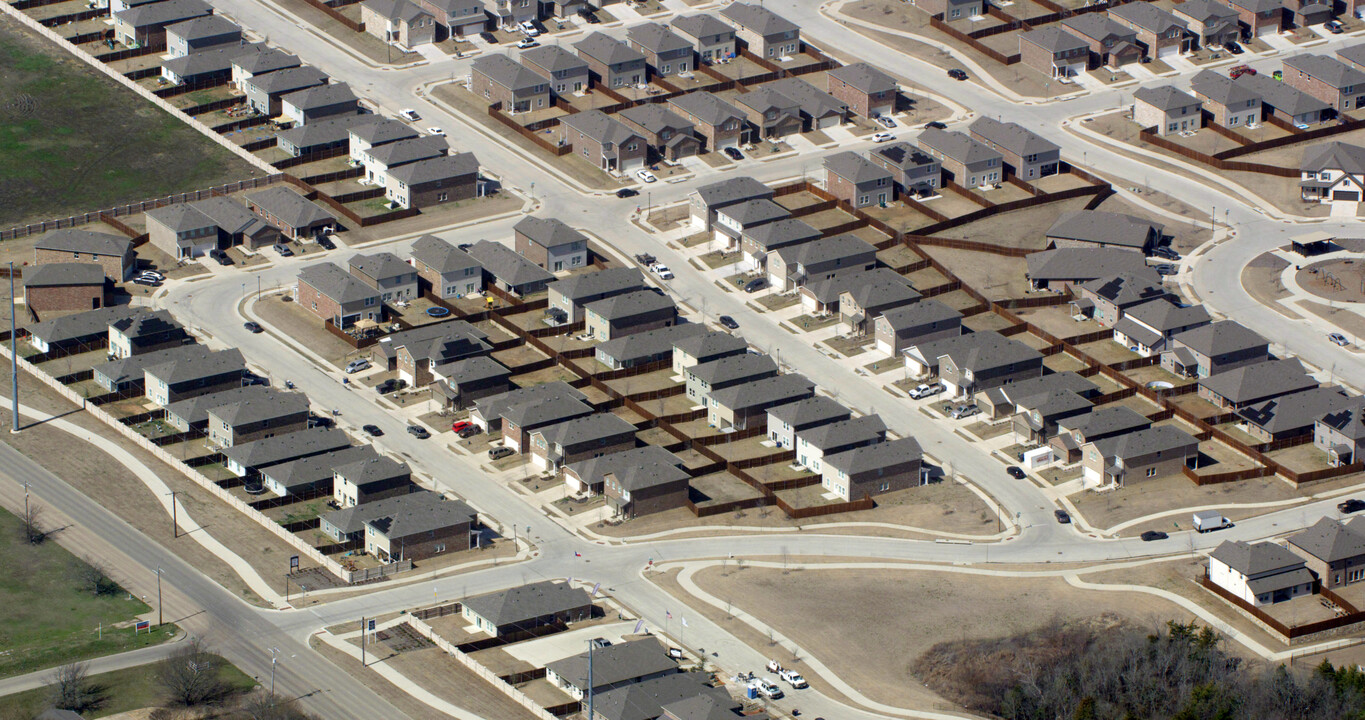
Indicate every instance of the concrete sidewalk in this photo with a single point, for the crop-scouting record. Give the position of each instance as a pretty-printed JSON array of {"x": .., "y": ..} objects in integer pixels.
[{"x": 95, "y": 666}]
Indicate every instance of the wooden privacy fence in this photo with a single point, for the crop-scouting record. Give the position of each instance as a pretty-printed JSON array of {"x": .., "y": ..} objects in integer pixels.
[
  {"x": 422, "y": 628},
  {"x": 329, "y": 11},
  {"x": 1291, "y": 633},
  {"x": 495, "y": 112},
  {"x": 1343, "y": 125},
  {"x": 1148, "y": 135}
]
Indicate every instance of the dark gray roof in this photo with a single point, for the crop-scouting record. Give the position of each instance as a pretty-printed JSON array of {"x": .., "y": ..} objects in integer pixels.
[
  {"x": 1086, "y": 263},
  {"x": 599, "y": 126},
  {"x": 377, "y": 469},
  {"x": 1331, "y": 540},
  {"x": 919, "y": 313},
  {"x": 156, "y": 322},
  {"x": 768, "y": 392},
  {"x": 1354, "y": 54},
  {"x": 553, "y": 58},
  {"x": 633, "y": 478},
  {"x": 656, "y": 38},
  {"x": 733, "y": 368},
  {"x": 707, "y": 707},
  {"x": 813, "y": 101},
  {"x": 163, "y": 13},
  {"x": 1281, "y": 95},
  {"x": 864, "y": 77},
  {"x": 443, "y": 341},
  {"x": 1098, "y": 226},
  {"x": 504, "y": 264},
  {"x": 548, "y": 232},
  {"x": 352, "y": 519},
  {"x": 708, "y": 343},
  {"x": 652, "y": 458},
  {"x": 956, "y": 146},
  {"x": 1297, "y": 410},
  {"x": 1140, "y": 443},
  {"x": 84, "y": 241},
  {"x": 395, "y": 9},
  {"x": 1253, "y": 559},
  {"x": 400, "y": 152},
  {"x": 320, "y": 96},
  {"x": 617, "y": 663},
  {"x": 541, "y": 412},
  {"x": 630, "y": 304},
  {"x": 81, "y": 325},
  {"x": 1098, "y": 26},
  {"x": 266, "y": 61},
  {"x": 383, "y": 130},
  {"x": 469, "y": 370},
  {"x": 855, "y": 168},
  {"x": 1106, "y": 420},
  {"x": 700, "y": 25},
  {"x": 841, "y": 434},
  {"x": 286, "y": 80},
  {"x": 1348, "y": 419},
  {"x": 881, "y": 287},
  {"x": 732, "y": 190},
  {"x": 826, "y": 249},
  {"x": 195, "y": 410},
  {"x": 1053, "y": 39},
  {"x": 204, "y": 27},
  {"x": 507, "y": 72},
  {"x": 1125, "y": 289},
  {"x": 757, "y": 19},
  {"x": 903, "y": 155},
  {"x": 1334, "y": 156},
  {"x": 281, "y": 448},
  {"x": 596, "y": 284},
  {"x": 599, "y": 426},
  {"x": 291, "y": 208},
  {"x": 706, "y": 107},
  {"x": 1221, "y": 337},
  {"x": 781, "y": 232},
  {"x": 212, "y": 60},
  {"x": 132, "y": 368},
  {"x": 440, "y": 255},
  {"x": 1219, "y": 88},
  {"x": 61, "y": 273},
  {"x": 444, "y": 167},
  {"x": 325, "y": 131},
  {"x": 416, "y": 513},
  {"x": 527, "y": 602},
  {"x": 335, "y": 283},
  {"x": 1205, "y": 11},
  {"x": 1019, "y": 392},
  {"x": 1013, "y": 137},
  {"x": 1261, "y": 380},
  {"x": 1148, "y": 17},
  {"x": 197, "y": 366},
  {"x": 253, "y": 410},
  {"x": 818, "y": 409},
  {"x": 656, "y": 118},
  {"x": 1164, "y": 315},
  {"x": 765, "y": 98},
  {"x": 980, "y": 351},
  {"x": 645, "y": 700},
  {"x": 751, "y": 212},
  {"x": 1327, "y": 69},
  {"x": 495, "y": 405},
  {"x": 887, "y": 453},
  {"x": 653, "y": 344},
  {"x": 381, "y": 265},
  {"x": 1166, "y": 97},
  {"x": 607, "y": 49}
]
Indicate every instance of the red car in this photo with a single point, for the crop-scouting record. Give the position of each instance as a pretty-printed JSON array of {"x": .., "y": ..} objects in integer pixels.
[
  {"x": 1241, "y": 70},
  {"x": 460, "y": 425}
]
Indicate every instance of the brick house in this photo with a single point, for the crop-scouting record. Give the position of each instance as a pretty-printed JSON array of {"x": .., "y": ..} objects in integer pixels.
[
  {"x": 1054, "y": 52},
  {"x": 190, "y": 230},
  {"x": 296, "y": 216},
  {"x": 457, "y": 18},
  {"x": 1167, "y": 109},
  {"x": 389, "y": 276},
  {"x": 578, "y": 439},
  {"x": 569, "y": 296},
  {"x": 550, "y": 244},
  {"x": 785, "y": 421},
  {"x": 858, "y": 181},
  {"x": 114, "y": 254},
  {"x": 1232, "y": 105},
  {"x": 57, "y": 288},
  {"x": 1333, "y": 550},
  {"x": 612, "y": 62},
  {"x": 1333, "y": 172},
  {"x": 1142, "y": 454},
  {"x": 773, "y": 114},
  {"x": 869, "y": 92},
  {"x": 400, "y": 22},
  {"x": 337, "y": 296},
  {"x": 433, "y": 181},
  {"x": 415, "y": 353},
  {"x": 445, "y": 270},
  {"x": 1160, "y": 32},
  {"x": 1258, "y": 17},
  {"x": 666, "y": 52},
  {"x": 461, "y": 383},
  {"x": 718, "y": 123},
  {"x": 566, "y": 72},
  {"x": 765, "y": 33},
  {"x": 1110, "y": 297},
  {"x": 913, "y": 171},
  {"x": 712, "y": 39},
  {"x": 520, "y": 609},
  {"x": 1327, "y": 79},
  {"x": 1110, "y": 43},
  {"x": 500, "y": 79},
  {"x": 418, "y": 526},
  {"x": 669, "y": 135},
  {"x": 970, "y": 163},
  {"x": 604, "y": 142},
  {"x": 1028, "y": 154},
  {"x": 877, "y": 469},
  {"x": 1211, "y": 23}
]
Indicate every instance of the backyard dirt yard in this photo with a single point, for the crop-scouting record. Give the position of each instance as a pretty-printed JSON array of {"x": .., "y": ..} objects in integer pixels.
[
  {"x": 1144, "y": 497},
  {"x": 1025, "y": 228},
  {"x": 873, "y": 643},
  {"x": 74, "y": 141},
  {"x": 995, "y": 276},
  {"x": 447, "y": 679},
  {"x": 1184, "y": 236},
  {"x": 296, "y": 323}
]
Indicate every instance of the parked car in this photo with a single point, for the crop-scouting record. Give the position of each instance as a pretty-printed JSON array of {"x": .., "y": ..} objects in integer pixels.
[
  {"x": 1166, "y": 252},
  {"x": 1151, "y": 535},
  {"x": 326, "y": 242},
  {"x": 1240, "y": 70},
  {"x": 1062, "y": 517},
  {"x": 1167, "y": 269},
  {"x": 1335, "y": 27},
  {"x": 252, "y": 327},
  {"x": 935, "y": 124},
  {"x": 1015, "y": 472},
  {"x": 372, "y": 430},
  {"x": 662, "y": 271},
  {"x": 755, "y": 285},
  {"x": 793, "y": 678},
  {"x": 468, "y": 432},
  {"x": 356, "y": 366},
  {"x": 882, "y": 137},
  {"x": 391, "y": 385},
  {"x": 418, "y": 432},
  {"x": 221, "y": 256},
  {"x": 645, "y": 175},
  {"x": 924, "y": 391},
  {"x": 529, "y": 27},
  {"x": 767, "y": 688},
  {"x": 527, "y": 44},
  {"x": 1233, "y": 48},
  {"x": 1353, "y": 505},
  {"x": 957, "y": 74},
  {"x": 409, "y": 114},
  {"x": 283, "y": 250},
  {"x": 146, "y": 281},
  {"x": 964, "y": 410},
  {"x": 500, "y": 451},
  {"x": 459, "y": 425},
  {"x": 436, "y": 131},
  {"x": 589, "y": 16},
  {"x": 154, "y": 275},
  {"x": 728, "y": 322},
  {"x": 645, "y": 259},
  {"x": 1339, "y": 339},
  {"x": 734, "y": 153},
  {"x": 886, "y": 121},
  {"x": 627, "y": 193}
]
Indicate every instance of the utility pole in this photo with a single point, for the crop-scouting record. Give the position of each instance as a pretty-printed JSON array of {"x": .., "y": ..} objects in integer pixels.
[
  {"x": 590, "y": 715},
  {"x": 362, "y": 641},
  {"x": 13, "y": 354},
  {"x": 175, "y": 522},
  {"x": 159, "y": 614}
]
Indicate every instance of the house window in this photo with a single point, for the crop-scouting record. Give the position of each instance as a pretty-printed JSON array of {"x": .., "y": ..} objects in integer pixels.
[{"x": 1151, "y": 472}]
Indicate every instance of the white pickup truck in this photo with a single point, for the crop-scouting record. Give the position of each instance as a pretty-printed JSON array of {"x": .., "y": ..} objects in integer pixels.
[{"x": 767, "y": 688}]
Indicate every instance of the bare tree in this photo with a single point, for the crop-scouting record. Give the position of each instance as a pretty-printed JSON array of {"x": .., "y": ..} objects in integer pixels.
[
  {"x": 32, "y": 524},
  {"x": 190, "y": 676},
  {"x": 265, "y": 706},
  {"x": 91, "y": 577},
  {"x": 70, "y": 688}
]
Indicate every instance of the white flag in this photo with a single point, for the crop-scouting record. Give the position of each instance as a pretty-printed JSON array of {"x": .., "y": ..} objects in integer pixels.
[{"x": 684, "y": 621}]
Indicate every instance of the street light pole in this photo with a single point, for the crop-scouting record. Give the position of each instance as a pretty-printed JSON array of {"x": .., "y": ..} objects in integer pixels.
[
  {"x": 159, "y": 615},
  {"x": 13, "y": 354},
  {"x": 175, "y": 521}
]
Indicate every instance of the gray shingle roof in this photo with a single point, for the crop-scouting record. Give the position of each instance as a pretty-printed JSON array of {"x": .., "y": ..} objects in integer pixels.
[
  {"x": 553, "y": 58},
  {"x": 881, "y": 287},
  {"x": 504, "y": 264},
  {"x": 529, "y": 415},
  {"x": 706, "y": 107},
  {"x": 441, "y": 341},
  {"x": 1354, "y": 54},
  {"x": 653, "y": 458},
  {"x": 655, "y": 118},
  {"x": 267, "y": 407},
  {"x": 395, "y": 9},
  {"x": 1107, "y": 420},
  {"x": 887, "y": 453},
  {"x": 1166, "y": 97},
  {"x": 826, "y": 249},
  {"x": 645, "y": 700},
  {"x": 1124, "y": 289},
  {"x": 203, "y": 27},
  {"x": 1331, "y": 540},
  {"x": 855, "y": 168},
  {"x": 315, "y": 469},
  {"x": 1097, "y": 26},
  {"x": 732, "y": 190},
  {"x": 291, "y": 208},
  {"x": 381, "y": 265},
  {"x": 197, "y": 366},
  {"x": 265, "y": 61},
  {"x": 162, "y": 13},
  {"x": 85, "y": 242},
  {"x": 1205, "y": 11},
  {"x": 818, "y": 409},
  {"x": 1012, "y": 136},
  {"x": 864, "y": 77},
  {"x": 989, "y": 349},
  {"x": 212, "y": 60},
  {"x": 416, "y": 513},
  {"x": 602, "y": 282},
  {"x": 904, "y": 155},
  {"x": 320, "y": 96},
  {"x": 600, "y": 127},
  {"x": 1334, "y": 156},
  {"x": 445, "y": 167},
  {"x": 131, "y": 368},
  {"x": 335, "y": 283},
  {"x": 813, "y": 101},
  {"x": 769, "y": 392},
  {"x": 352, "y": 519},
  {"x": 548, "y": 232},
  {"x": 60, "y": 274},
  {"x": 708, "y": 343},
  {"x": 751, "y": 212},
  {"x": 401, "y": 152},
  {"x": 757, "y": 19},
  {"x": 599, "y": 426},
  {"x": 280, "y": 448},
  {"x": 286, "y": 80},
  {"x": 766, "y": 98},
  {"x": 956, "y": 146},
  {"x": 1164, "y": 315},
  {"x": 527, "y": 602},
  {"x": 1053, "y": 382},
  {"x": 1081, "y": 264},
  {"x": 1220, "y": 89},
  {"x": 1139, "y": 443},
  {"x": 733, "y": 368},
  {"x": 1098, "y": 226},
  {"x": 1348, "y": 419},
  {"x": 700, "y": 25},
  {"x": 1221, "y": 337},
  {"x": 1053, "y": 39},
  {"x": 630, "y": 304},
  {"x": 656, "y": 38},
  {"x": 495, "y": 405},
  {"x": 1256, "y": 558},
  {"x": 1148, "y": 17},
  {"x": 326, "y": 131},
  {"x": 1326, "y": 69},
  {"x": 377, "y": 469},
  {"x": 617, "y": 663},
  {"x": 782, "y": 232},
  {"x": 507, "y": 72},
  {"x": 842, "y": 434},
  {"x": 141, "y": 325},
  {"x": 1281, "y": 95},
  {"x": 440, "y": 255},
  {"x": 607, "y": 49},
  {"x": 195, "y": 410},
  {"x": 919, "y": 313},
  {"x": 1261, "y": 380},
  {"x": 653, "y": 344},
  {"x": 469, "y": 370},
  {"x": 383, "y": 130},
  {"x": 88, "y": 324},
  {"x": 1295, "y": 411}
]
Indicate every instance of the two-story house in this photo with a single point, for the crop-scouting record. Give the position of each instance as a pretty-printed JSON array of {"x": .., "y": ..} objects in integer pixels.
[
  {"x": 746, "y": 405},
  {"x": 1157, "y": 451},
  {"x": 1147, "y": 328},
  {"x": 401, "y": 22},
  {"x": 612, "y": 62},
  {"x": 718, "y": 123},
  {"x": 628, "y": 313},
  {"x": 1212, "y": 24},
  {"x": 1341, "y": 433},
  {"x": 243, "y": 421},
  {"x": 265, "y": 91},
  {"x": 1111, "y": 44},
  {"x": 1333, "y": 550},
  {"x": 1160, "y": 32},
  {"x": 1024, "y": 152},
  {"x": 712, "y": 39},
  {"x": 785, "y": 421},
  {"x": 578, "y": 439},
  {"x": 858, "y": 181},
  {"x": 380, "y": 159},
  {"x": 669, "y": 135},
  {"x": 980, "y": 361},
  {"x": 192, "y": 374},
  {"x": 459, "y": 18},
  {"x": 145, "y": 332},
  {"x": 569, "y": 295},
  {"x": 764, "y": 32},
  {"x": 1249, "y": 384},
  {"x": 733, "y": 220},
  {"x": 666, "y": 52},
  {"x": 319, "y": 102},
  {"x": 1110, "y": 297},
  {"x": 866, "y": 90},
  {"x": 913, "y": 324},
  {"x": 705, "y": 202},
  {"x": 876, "y": 469},
  {"x": 968, "y": 163},
  {"x": 1054, "y": 52},
  {"x": 1333, "y": 172},
  {"x": 550, "y": 244},
  {"x": 871, "y": 294},
  {"x": 387, "y": 274},
  {"x": 1167, "y": 109},
  {"x": 757, "y": 242},
  {"x": 913, "y": 171},
  {"x": 1230, "y": 104},
  {"x": 1078, "y": 430},
  {"x": 566, "y": 72},
  {"x": 203, "y": 33},
  {"x": 365, "y": 481},
  {"x": 704, "y": 378},
  {"x": 1258, "y": 18},
  {"x": 772, "y": 114},
  {"x": 813, "y": 444},
  {"x": 824, "y": 259},
  {"x": 1214, "y": 348},
  {"x": 703, "y": 347},
  {"x": 500, "y": 79},
  {"x": 445, "y": 270},
  {"x": 604, "y": 142},
  {"x": 1330, "y": 80},
  {"x": 1102, "y": 229},
  {"x": 1260, "y": 574},
  {"x": 337, "y": 296}
]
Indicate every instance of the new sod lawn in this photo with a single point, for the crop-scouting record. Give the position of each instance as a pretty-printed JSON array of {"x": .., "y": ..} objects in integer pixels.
[
  {"x": 49, "y": 619},
  {"x": 121, "y": 691},
  {"x": 72, "y": 140}
]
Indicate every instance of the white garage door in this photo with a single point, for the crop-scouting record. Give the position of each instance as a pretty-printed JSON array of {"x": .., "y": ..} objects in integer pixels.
[
  {"x": 1168, "y": 51},
  {"x": 884, "y": 348},
  {"x": 829, "y": 122},
  {"x": 1093, "y": 477},
  {"x": 807, "y": 301}
]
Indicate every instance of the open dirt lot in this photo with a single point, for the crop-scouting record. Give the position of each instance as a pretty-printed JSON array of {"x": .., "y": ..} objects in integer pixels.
[
  {"x": 1145, "y": 497},
  {"x": 873, "y": 643},
  {"x": 75, "y": 142},
  {"x": 446, "y": 678},
  {"x": 299, "y": 325},
  {"x": 1261, "y": 278}
]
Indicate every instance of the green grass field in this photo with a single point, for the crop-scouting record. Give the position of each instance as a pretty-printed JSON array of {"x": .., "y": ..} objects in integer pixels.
[
  {"x": 72, "y": 140},
  {"x": 51, "y": 620},
  {"x": 121, "y": 691}
]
